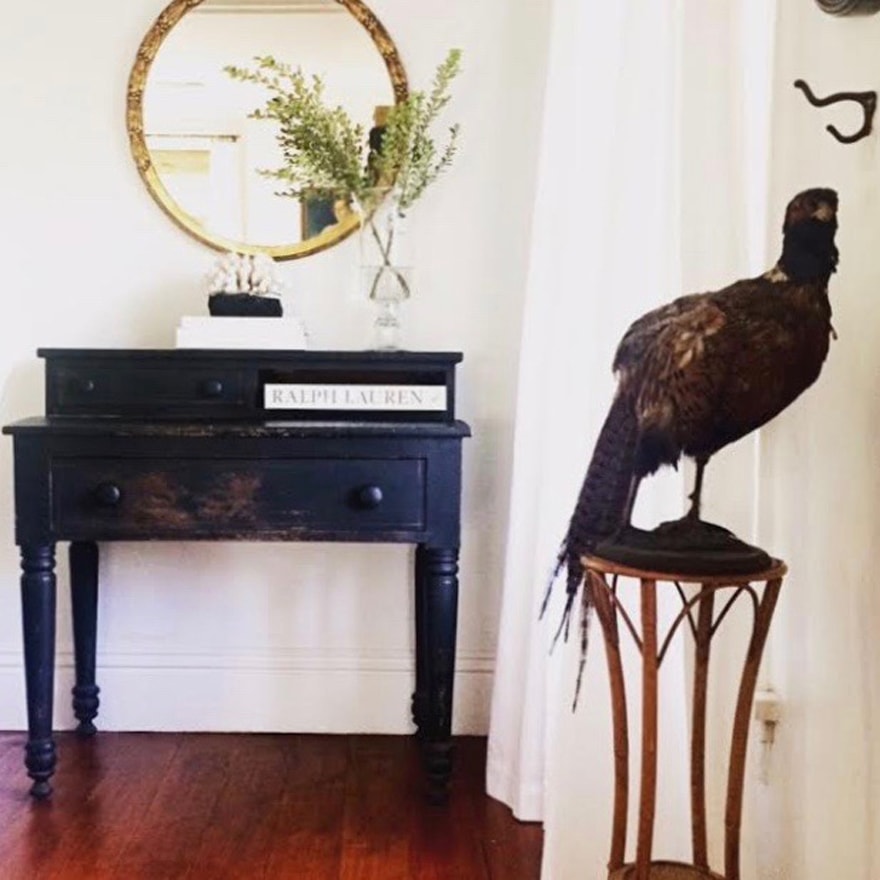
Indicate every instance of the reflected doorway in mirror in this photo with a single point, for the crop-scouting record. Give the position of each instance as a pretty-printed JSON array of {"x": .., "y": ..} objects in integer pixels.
[{"x": 203, "y": 172}]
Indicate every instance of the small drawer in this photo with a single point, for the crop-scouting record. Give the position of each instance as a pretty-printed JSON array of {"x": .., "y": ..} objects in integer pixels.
[
  {"x": 155, "y": 498},
  {"x": 97, "y": 388}
]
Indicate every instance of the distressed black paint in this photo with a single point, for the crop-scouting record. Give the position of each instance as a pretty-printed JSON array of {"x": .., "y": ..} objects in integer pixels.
[
  {"x": 127, "y": 454},
  {"x": 38, "y": 620},
  {"x": 83, "y": 559}
]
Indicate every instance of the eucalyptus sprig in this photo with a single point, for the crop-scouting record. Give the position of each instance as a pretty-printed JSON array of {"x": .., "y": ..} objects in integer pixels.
[
  {"x": 325, "y": 152},
  {"x": 410, "y": 156},
  {"x": 320, "y": 146}
]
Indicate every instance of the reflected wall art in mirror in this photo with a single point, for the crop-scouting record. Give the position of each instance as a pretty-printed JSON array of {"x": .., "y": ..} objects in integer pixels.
[{"x": 194, "y": 144}]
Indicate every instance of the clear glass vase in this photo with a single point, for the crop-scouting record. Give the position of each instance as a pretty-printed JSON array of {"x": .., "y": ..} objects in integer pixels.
[{"x": 385, "y": 266}]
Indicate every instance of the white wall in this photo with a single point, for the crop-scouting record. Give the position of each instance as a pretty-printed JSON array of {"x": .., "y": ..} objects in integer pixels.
[
  {"x": 811, "y": 798},
  {"x": 820, "y": 486},
  {"x": 808, "y": 489},
  {"x": 248, "y": 636}
]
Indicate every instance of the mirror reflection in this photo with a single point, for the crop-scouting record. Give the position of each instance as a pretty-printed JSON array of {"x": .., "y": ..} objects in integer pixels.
[{"x": 204, "y": 151}]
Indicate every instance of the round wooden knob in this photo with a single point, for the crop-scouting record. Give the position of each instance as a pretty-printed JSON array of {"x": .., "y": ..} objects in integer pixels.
[
  {"x": 108, "y": 494},
  {"x": 212, "y": 388},
  {"x": 369, "y": 497}
]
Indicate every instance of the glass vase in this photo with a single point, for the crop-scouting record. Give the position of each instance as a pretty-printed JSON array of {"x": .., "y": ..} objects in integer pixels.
[{"x": 385, "y": 267}]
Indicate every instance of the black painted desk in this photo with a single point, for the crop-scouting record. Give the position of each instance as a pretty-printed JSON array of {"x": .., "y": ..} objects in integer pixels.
[{"x": 182, "y": 445}]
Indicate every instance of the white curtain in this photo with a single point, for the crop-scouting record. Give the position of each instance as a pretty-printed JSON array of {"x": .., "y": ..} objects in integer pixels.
[{"x": 645, "y": 157}]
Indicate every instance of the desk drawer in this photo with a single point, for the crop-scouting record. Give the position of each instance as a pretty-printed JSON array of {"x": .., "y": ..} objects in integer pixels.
[
  {"x": 155, "y": 498},
  {"x": 87, "y": 387}
]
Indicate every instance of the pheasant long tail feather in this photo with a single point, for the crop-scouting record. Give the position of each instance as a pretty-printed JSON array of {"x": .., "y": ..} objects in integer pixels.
[{"x": 601, "y": 503}]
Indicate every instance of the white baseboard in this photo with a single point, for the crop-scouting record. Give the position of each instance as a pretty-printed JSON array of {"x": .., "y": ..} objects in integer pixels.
[{"x": 277, "y": 692}]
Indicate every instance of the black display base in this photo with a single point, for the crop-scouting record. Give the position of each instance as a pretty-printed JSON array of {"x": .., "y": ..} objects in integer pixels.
[
  {"x": 686, "y": 546},
  {"x": 244, "y": 305}
]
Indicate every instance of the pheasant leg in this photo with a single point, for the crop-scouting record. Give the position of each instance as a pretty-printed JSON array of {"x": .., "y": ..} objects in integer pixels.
[
  {"x": 630, "y": 503},
  {"x": 694, "y": 512}
]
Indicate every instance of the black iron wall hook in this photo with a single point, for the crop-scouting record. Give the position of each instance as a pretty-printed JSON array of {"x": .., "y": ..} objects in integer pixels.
[
  {"x": 850, "y": 7},
  {"x": 868, "y": 101}
]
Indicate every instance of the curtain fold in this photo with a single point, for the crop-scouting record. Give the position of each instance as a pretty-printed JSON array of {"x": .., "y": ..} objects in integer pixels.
[
  {"x": 604, "y": 249},
  {"x": 639, "y": 165}
]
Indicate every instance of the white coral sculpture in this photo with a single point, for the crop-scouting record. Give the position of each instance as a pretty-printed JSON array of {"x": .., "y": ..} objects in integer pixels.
[{"x": 256, "y": 274}]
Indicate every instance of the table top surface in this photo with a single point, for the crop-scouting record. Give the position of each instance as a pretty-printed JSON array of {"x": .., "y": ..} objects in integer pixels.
[
  {"x": 232, "y": 427},
  {"x": 250, "y": 355}
]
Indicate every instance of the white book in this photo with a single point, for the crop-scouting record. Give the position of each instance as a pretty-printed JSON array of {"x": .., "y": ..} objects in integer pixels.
[{"x": 196, "y": 331}]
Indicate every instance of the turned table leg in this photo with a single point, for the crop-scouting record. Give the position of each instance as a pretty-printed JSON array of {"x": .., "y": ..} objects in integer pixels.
[
  {"x": 420, "y": 694},
  {"x": 38, "y": 619},
  {"x": 83, "y": 557},
  {"x": 438, "y": 575}
]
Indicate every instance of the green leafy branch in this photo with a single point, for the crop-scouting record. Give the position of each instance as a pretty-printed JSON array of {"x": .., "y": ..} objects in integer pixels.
[
  {"x": 325, "y": 153},
  {"x": 320, "y": 146},
  {"x": 409, "y": 153}
]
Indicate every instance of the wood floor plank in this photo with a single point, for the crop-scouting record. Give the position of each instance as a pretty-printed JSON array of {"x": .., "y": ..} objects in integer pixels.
[
  {"x": 168, "y": 835},
  {"x": 255, "y": 807},
  {"x": 14, "y": 783},
  {"x": 511, "y": 848},
  {"x": 308, "y": 823},
  {"x": 101, "y": 816},
  {"x": 101, "y": 788},
  {"x": 446, "y": 843},
  {"x": 382, "y": 783},
  {"x": 10, "y": 743},
  {"x": 238, "y": 831},
  {"x": 20, "y": 843}
]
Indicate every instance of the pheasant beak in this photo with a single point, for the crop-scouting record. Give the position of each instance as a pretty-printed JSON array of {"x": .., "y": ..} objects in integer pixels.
[{"x": 811, "y": 205}]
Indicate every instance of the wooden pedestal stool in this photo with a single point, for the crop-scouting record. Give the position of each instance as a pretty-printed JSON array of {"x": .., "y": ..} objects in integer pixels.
[{"x": 698, "y": 612}]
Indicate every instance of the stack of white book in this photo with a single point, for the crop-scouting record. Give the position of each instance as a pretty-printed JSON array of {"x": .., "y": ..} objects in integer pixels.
[{"x": 230, "y": 332}]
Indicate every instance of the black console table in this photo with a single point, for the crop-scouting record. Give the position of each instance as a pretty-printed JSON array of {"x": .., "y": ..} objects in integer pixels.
[{"x": 254, "y": 445}]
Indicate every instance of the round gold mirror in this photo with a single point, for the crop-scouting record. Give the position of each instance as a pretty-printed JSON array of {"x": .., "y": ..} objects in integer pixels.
[{"x": 195, "y": 146}]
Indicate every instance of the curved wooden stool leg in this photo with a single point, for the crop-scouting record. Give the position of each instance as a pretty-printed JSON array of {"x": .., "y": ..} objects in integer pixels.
[
  {"x": 611, "y": 612},
  {"x": 740, "y": 738},
  {"x": 698, "y": 728},
  {"x": 606, "y": 611},
  {"x": 648, "y": 786}
]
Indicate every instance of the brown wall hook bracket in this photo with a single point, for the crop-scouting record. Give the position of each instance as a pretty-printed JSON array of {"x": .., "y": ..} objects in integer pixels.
[{"x": 868, "y": 101}]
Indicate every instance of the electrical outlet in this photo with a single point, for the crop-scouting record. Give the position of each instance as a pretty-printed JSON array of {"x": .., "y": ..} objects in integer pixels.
[
  {"x": 768, "y": 706},
  {"x": 767, "y": 710}
]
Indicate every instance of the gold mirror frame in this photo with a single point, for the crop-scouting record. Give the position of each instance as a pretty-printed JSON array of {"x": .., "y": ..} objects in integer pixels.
[{"x": 137, "y": 81}]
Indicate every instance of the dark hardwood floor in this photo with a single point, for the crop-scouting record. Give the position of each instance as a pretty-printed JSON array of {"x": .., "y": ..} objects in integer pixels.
[{"x": 152, "y": 806}]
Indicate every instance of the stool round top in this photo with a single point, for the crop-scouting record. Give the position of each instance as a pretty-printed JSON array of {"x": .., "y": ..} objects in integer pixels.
[
  {"x": 666, "y": 871},
  {"x": 605, "y": 566}
]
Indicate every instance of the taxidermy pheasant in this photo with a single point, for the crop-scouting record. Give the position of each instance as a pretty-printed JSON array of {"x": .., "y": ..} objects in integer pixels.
[{"x": 705, "y": 370}]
